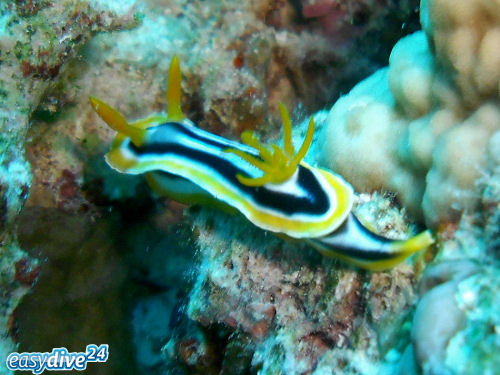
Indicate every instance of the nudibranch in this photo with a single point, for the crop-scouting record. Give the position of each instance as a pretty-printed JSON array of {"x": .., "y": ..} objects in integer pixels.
[{"x": 271, "y": 186}]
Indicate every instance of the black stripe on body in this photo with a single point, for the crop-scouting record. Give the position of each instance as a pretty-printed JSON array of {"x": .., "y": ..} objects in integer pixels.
[
  {"x": 314, "y": 203},
  {"x": 354, "y": 240},
  {"x": 354, "y": 252}
]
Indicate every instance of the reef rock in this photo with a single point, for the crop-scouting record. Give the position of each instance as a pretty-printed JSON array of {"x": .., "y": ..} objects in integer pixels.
[
  {"x": 37, "y": 39},
  {"x": 303, "y": 312},
  {"x": 54, "y": 55},
  {"x": 423, "y": 127}
]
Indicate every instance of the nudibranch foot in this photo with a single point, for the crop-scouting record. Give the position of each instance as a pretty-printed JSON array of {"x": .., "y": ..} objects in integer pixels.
[{"x": 355, "y": 244}]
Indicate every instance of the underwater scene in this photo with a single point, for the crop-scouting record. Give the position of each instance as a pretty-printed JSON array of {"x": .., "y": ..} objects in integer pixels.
[{"x": 253, "y": 187}]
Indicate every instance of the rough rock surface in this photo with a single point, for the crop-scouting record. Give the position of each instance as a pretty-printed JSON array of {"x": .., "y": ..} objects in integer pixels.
[{"x": 423, "y": 126}]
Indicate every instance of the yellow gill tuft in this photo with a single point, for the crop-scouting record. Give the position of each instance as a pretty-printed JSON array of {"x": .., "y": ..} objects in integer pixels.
[{"x": 277, "y": 164}]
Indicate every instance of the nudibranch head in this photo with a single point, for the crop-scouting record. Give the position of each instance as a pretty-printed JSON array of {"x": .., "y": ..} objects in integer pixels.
[{"x": 277, "y": 164}]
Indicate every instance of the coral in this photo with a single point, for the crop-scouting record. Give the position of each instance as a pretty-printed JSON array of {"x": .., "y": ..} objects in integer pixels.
[
  {"x": 304, "y": 313},
  {"x": 490, "y": 198},
  {"x": 428, "y": 128},
  {"x": 465, "y": 40},
  {"x": 53, "y": 57},
  {"x": 473, "y": 248},
  {"x": 473, "y": 349},
  {"x": 432, "y": 329},
  {"x": 237, "y": 72},
  {"x": 453, "y": 330},
  {"x": 259, "y": 304},
  {"x": 458, "y": 294},
  {"x": 37, "y": 38},
  {"x": 421, "y": 126}
]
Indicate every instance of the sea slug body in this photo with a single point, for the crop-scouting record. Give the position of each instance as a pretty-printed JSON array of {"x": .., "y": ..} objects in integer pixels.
[{"x": 271, "y": 186}]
